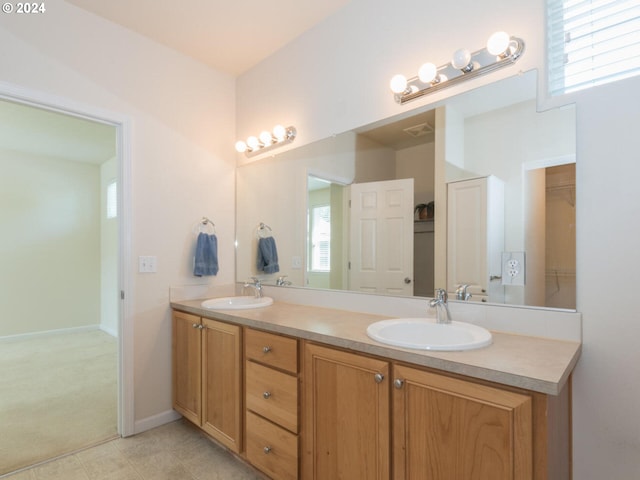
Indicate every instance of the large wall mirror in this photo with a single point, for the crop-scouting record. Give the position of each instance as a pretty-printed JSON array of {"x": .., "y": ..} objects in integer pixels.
[{"x": 475, "y": 194}]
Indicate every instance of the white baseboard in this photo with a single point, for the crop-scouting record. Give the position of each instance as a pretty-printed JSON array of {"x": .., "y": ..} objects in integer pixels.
[
  {"x": 155, "y": 421},
  {"x": 109, "y": 331},
  {"x": 48, "y": 333}
]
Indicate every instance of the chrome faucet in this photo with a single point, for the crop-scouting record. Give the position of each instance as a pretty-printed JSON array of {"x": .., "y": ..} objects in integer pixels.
[
  {"x": 281, "y": 282},
  {"x": 461, "y": 292},
  {"x": 256, "y": 285},
  {"x": 443, "y": 315}
]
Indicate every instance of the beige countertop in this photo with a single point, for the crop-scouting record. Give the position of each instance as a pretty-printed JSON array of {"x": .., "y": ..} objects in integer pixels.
[{"x": 538, "y": 364}]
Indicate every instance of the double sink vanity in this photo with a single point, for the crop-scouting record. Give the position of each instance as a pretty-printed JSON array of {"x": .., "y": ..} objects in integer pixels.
[{"x": 303, "y": 392}]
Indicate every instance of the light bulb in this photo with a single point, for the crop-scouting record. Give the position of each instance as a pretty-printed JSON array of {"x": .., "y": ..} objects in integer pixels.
[
  {"x": 398, "y": 83},
  {"x": 498, "y": 43},
  {"x": 461, "y": 59},
  {"x": 266, "y": 138},
  {"x": 427, "y": 73},
  {"x": 241, "y": 147},
  {"x": 279, "y": 132},
  {"x": 253, "y": 143}
]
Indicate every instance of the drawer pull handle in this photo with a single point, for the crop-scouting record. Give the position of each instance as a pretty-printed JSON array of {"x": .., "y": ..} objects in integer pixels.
[
  {"x": 266, "y": 349},
  {"x": 266, "y": 450},
  {"x": 266, "y": 395}
]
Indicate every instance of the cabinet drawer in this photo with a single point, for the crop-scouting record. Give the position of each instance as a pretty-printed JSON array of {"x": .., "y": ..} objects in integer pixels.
[
  {"x": 272, "y": 394},
  {"x": 270, "y": 349},
  {"x": 272, "y": 449}
]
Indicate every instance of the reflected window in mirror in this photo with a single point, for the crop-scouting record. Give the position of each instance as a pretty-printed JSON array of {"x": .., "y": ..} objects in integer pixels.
[{"x": 320, "y": 238}]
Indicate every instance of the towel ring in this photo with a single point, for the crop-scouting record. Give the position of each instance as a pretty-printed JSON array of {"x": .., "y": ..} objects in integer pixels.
[
  {"x": 204, "y": 223},
  {"x": 264, "y": 230}
]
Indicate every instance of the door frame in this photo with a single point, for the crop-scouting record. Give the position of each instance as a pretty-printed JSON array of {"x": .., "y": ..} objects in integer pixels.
[{"x": 122, "y": 125}]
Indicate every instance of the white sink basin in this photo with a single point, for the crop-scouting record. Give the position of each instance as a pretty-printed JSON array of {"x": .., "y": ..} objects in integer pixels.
[
  {"x": 426, "y": 334},
  {"x": 237, "y": 303}
]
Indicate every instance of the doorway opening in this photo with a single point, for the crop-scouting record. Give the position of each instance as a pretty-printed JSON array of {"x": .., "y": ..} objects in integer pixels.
[{"x": 65, "y": 186}]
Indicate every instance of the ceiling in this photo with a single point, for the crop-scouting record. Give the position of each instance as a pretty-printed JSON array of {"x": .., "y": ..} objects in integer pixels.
[
  {"x": 230, "y": 36},
  {"x": 407, "y": 132}
]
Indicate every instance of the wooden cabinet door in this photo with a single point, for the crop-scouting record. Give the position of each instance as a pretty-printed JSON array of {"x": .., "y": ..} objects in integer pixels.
[
  {"x": 187, "y": 396},
  {"x": 346, "y": 416},
  {"x": 222, "y": 380},
  {"x": 450, "y": 429}
]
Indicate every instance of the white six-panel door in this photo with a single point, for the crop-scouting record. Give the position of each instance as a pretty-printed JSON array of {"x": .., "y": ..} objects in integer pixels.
[{"x": 381, "y": 249}]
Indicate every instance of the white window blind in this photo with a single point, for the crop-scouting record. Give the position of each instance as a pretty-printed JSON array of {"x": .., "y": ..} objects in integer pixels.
[
  {"x": 592, "y": 42},
  {"x": 112, "y": 199},
  {"x": 321, "y": 238}
]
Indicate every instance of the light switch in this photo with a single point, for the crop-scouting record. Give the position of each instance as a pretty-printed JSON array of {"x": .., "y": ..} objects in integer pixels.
[{"x": 147, "y": 264}]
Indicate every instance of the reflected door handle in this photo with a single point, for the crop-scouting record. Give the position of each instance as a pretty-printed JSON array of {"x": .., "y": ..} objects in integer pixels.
[{"x": 407, "y": 280}]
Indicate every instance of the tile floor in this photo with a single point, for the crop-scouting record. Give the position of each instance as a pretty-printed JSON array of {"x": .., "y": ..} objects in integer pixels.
[{"x": 176, "y": 451}]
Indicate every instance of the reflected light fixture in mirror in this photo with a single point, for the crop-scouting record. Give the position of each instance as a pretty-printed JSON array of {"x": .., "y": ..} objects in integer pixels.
[
  {"x": 501, "y": 50},
  {"x": 266, "y": 140}
]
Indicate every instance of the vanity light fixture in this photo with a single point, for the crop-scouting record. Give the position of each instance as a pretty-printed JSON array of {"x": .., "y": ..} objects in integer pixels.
[
  {"x": 501, "y": 50},
  {"x": 266, "y": 140}
]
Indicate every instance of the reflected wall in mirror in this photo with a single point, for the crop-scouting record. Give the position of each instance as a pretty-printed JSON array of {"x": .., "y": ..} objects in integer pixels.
[{"x": 344, "y": 211}]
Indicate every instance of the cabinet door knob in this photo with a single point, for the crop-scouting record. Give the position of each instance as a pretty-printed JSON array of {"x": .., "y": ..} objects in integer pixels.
[
  {"x": 398, "y": 383},
  {"x": 378, "y": 377},
  {"x": 266, "y": 349},
  {"x": 266, "y": 395},
  {"x": 195, "y": 325},
  {"x": 266, "y": 450},
  {"x": 201, "y": 327}
]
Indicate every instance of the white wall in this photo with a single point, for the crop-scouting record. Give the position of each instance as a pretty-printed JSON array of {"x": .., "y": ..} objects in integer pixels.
[
  {"x": 182, "y": 159},
  {"x": 50, "y": 245},
  {"x": 335, "y": 78}
]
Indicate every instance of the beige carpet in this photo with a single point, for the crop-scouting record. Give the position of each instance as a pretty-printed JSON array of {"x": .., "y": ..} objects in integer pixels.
[{"x": 58, "y": 394}]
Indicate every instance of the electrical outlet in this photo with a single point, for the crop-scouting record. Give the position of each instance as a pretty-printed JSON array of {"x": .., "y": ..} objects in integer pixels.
[
  {"x": 513, "y": 268},
  {"x": 296, "y": 262}
]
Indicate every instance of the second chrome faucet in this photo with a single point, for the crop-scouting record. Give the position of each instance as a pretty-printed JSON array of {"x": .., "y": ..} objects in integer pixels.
[
  {"x": 256, "y": 285},
  {"x": 439, "y": 302}
]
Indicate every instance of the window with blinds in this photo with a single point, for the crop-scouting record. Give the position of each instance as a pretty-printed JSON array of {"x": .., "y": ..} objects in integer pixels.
[
  {"x": 321, "y": 238},
  {"x": 591, "y": 42}
]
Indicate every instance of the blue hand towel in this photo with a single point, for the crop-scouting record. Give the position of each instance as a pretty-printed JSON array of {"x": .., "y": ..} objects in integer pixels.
[
  {"x": 206, "y": 255},
  {"x": 267, "y": 255}
]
